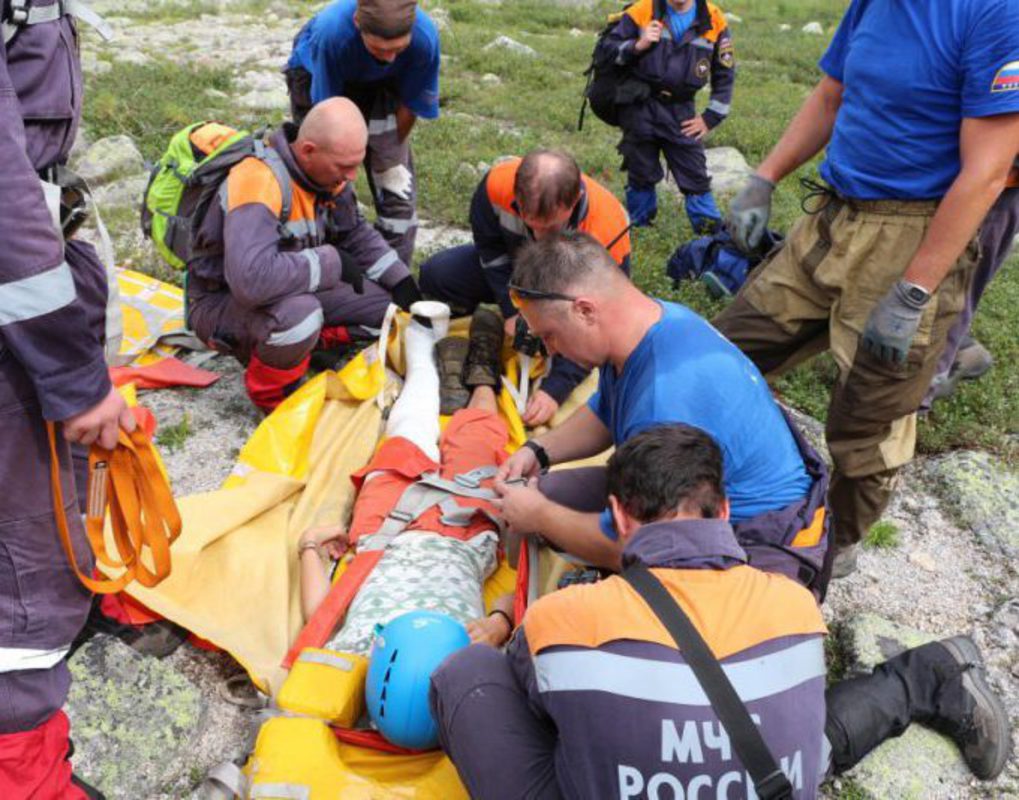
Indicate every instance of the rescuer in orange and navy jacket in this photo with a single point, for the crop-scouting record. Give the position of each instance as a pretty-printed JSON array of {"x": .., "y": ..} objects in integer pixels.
[
  {"x": 269, "y": 292},
  {"x": 676, "y": 47},
  {"x": 519, "y": 200},
  {"x": 593, "y": 699}
]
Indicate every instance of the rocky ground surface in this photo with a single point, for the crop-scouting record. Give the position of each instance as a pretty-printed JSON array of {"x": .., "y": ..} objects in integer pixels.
[{"x": 146, "y": 728}]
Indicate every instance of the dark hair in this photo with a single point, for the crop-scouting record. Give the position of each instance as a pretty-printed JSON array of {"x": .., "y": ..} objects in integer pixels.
[
  {"x": 667, "y": 468},
  {"x": 387, "y": 19},
  {"x": 557, "y": 262},
  {"x": 546, "y": 181}
]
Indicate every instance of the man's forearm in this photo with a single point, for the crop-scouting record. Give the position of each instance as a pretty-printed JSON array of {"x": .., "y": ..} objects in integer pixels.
[
  {"x": 580, "y": 535},
  {"x": 580, "y": 436},
  {"x": 987, "y": 149},
  {"x": 405, "y": 119},
  {"x": 809, "y": 131}
]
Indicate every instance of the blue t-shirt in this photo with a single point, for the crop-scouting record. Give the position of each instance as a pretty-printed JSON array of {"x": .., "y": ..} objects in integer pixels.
[
  {"x": 329, "y": 46},
  {"x": 684, "y": 370},
  {"x": 912, "y": 70},
  {"x": 680, "y": 21}
]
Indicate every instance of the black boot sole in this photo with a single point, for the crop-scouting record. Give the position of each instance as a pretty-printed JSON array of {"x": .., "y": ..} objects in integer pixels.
[{"x": 965, "y": 651}]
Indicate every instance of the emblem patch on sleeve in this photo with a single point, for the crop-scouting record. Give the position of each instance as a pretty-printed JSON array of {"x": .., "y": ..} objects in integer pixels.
[
  {"x": 725, "y": 54},
  {"x": 1007, "y": 79}
]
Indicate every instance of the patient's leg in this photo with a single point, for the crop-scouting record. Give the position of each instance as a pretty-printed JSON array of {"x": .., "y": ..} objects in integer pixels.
[{"x": 415, "y": 414}]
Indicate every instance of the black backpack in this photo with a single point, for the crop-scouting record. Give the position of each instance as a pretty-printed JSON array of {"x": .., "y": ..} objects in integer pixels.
[{"x": 608, "y": 84}]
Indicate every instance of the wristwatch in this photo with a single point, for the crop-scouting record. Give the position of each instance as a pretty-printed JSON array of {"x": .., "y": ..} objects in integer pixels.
[
  {"x": 916, "y": 293},
  {"x": 539, "y": 453}
]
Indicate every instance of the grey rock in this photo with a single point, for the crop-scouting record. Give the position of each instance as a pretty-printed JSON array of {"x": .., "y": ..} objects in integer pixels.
[
  {"x": 132, "y": 719},
  {"x": 80, "y": 145},
  {"x": 433, "y": 237},
  {"x": 581, "y": 4},
  {"x": 785, "y": 26},
  {"x": 812, "y": 430},
  {"x": 440, "y": 16},
  {"x": 982, "y": 492},
  {"x": 491, "y": 79},
  {"x": 511, "y": 46},
  {"x": 733, "y": 17},
  {"x": 260, "y": 99},
  {"x": 124, "y": 193},
  {"x": 109, "y": 159},
  {"x": 467, "y": 172},
  {"x": 920, "y": 764},
  {"x": 131, "y": 56},
  {"x": 728, "y": 169},
  {"x": 813, "y": 28}
]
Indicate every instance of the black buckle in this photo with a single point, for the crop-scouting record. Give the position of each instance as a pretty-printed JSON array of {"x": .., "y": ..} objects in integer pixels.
[{"x": 775, "y": 786}]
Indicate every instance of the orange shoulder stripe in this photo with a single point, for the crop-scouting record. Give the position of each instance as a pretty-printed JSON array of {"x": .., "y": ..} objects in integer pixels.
[
  {"x": 500, "y": 183},
  {"x": 251, "y": 181},
  {"x": 606, "y": 219},
  {"x": 642, "y": 12},
  {"x": 733, "y": 609}
]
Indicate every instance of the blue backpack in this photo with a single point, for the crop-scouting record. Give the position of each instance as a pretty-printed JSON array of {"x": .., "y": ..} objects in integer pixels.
[{"x": 716, "y": 260}]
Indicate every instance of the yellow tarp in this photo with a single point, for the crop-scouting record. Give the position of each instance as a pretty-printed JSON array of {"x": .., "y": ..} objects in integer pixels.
[{"x": 235, "y": 578}]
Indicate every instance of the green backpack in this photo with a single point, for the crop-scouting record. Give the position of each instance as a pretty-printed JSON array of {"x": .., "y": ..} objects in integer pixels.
[{"x": 187, "y": 178}]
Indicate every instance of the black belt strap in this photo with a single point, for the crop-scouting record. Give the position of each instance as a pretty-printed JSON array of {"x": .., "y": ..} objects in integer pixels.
[{"x": 769, "y": 780}]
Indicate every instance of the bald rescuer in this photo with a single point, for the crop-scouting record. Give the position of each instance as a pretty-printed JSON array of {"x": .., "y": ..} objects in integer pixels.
[
  {"x": 270, "y": 293},
  {"x": 592, "y": 698},
  {"x": 520, "y": 200}
]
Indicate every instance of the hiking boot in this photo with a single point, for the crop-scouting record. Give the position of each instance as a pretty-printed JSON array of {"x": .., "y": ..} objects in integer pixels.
[
  {"x": 967, "y": 709},
  {"x": 972, "y": 360},
  {"x": 483, "y": 366},
  {"x": 844, "y": 564},
  {"x": 451, "y": 354}
]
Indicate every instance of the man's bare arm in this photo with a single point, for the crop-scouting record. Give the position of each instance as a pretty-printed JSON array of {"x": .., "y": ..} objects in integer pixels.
[
  {"x": 809, "y": 131},
  {"x": 988, "y": 147}
]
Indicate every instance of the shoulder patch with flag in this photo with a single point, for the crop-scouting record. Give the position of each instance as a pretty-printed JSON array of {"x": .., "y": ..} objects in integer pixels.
[{"x": 1007, "y": 79}]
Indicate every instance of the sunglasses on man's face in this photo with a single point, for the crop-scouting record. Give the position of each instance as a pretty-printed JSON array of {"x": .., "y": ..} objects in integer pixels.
[{"x": 518, "y": 295}]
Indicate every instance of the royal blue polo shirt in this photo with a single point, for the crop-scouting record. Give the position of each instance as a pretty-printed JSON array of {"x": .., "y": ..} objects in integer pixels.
[
  {"x": 330, "y": 47},
  {"x": 911, "y": 71},
  {"x": 684, "y": 370}
]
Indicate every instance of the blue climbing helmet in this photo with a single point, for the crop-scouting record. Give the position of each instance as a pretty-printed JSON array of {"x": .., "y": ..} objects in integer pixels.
[{"x": 404, "y": 655}]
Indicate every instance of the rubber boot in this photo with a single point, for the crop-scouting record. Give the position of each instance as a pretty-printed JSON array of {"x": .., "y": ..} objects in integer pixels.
[
  {"x": 703, "y": 213},
  {"x": 450, "y": 354},
  {"x": 269, "y": 386},
  {"x": 641, "y": 205},
  {"x": 942, "y": 685},
  {"x": 483, "y": 366}
]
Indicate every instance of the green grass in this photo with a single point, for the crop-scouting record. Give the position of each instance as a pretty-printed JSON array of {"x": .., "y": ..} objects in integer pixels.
[
  {"x": 151, "y": 102},
  {"x": 883, "y": 535},
  {"x": 173, "y": 437},
  {"x": 537, "y": 103}
]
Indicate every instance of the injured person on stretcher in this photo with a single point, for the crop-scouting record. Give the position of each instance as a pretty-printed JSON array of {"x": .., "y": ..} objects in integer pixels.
[{"x": 423, "y": 498}]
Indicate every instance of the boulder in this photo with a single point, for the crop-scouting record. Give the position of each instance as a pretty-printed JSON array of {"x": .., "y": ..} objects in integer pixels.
[
  {"x": 491, "y": 79},
  {"x": 133, "y": 719},
  {"x": 109, "y": 159},
  {"x": 982, "y": 492},
  {"x": 813, "y": 28},
  {"x": 728, "y": 169},
  {"x": 511, "y": 46},
  {"x": 124, "y": 193},
  {"x": 920, "y": 764}
]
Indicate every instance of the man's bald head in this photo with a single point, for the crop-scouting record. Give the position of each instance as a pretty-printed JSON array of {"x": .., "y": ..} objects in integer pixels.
[
  {"x": 334, "y": 123},
  {"x": 331, "y": 143},
  {"x": 547, "y": 184}
]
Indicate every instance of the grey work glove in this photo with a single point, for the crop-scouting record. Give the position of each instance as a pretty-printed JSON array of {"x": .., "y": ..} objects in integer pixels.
[
  {"x": 749, "y": 213},
  {"x": 892, "y": 324}
]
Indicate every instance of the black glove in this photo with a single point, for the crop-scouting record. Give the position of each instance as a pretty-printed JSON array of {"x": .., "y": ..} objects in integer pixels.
[
  {"x": 406, "y": 293},
  {"x": 351, "y": 272}
]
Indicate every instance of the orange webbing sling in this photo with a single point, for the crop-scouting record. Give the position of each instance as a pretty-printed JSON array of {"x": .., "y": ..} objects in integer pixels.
[{"x": 127, "y": 481}]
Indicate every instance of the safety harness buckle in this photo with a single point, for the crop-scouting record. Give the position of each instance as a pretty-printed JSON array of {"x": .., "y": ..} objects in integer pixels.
[
  {"x": 19, "y": 12},
  {"x": 467, "y": 480},
  {"x": 401, "y": 516}
]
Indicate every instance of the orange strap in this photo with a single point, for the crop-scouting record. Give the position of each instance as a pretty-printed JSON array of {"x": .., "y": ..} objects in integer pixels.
[{"x": 128, "y": 483}]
